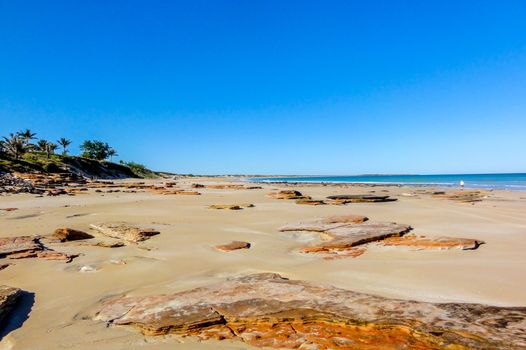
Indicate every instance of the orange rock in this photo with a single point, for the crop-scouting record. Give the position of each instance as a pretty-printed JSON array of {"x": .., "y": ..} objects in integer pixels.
[
  {"x": 286, "y": 194},
  {"x": 53, "y": 255},
  {"x": 267, "y": 310},
  {"x": 421, "y": 242},
  {"x": 345, "y": 219},
  {"x": 188, "y": 193},
  {"x": 231, "y": 206},
  {"x": 67, "y": 234},
  {"x": 234, "y": 245},
  {"x": 307, "y": 201}
]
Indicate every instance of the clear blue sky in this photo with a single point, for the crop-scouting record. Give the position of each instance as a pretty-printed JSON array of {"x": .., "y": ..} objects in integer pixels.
[{"x": 273, "y": 87}]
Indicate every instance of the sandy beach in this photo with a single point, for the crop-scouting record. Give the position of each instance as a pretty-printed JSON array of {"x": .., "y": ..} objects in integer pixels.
[{"x": 62, "y": 299}]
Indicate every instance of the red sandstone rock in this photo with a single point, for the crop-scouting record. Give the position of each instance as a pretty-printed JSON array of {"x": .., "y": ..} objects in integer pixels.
[
  {"x": 267, "y": 310},
  {"x": 234, "y": 245},
  {"x": 53, "y": 255},
  {"x": 8, "y": 209},
  {"x": 433, "y": 243},
  {"x": 14, "y": 245}
]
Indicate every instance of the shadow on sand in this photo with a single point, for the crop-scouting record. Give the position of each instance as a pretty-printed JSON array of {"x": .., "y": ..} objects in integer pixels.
[{"x": 19, "y": 314}]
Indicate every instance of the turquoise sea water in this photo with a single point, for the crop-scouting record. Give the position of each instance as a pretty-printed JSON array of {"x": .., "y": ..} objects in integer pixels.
[{"x": 515, "y": 182}]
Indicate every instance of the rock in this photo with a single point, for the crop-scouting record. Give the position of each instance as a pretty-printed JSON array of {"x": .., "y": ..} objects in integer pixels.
[
  {"x": 8, "y": 209},
  {"x": 231, "y": 206},
  {"x": 4, "y": 266},
  {"x": 234, "y": 245},
  {"x": 23, "y": 247},
  {"x": 422, "y": 242},
  {"x": 8, "y": 298},
  {"x": 10, "y": 183},
  {"x": 359, "y": 198},
  {"x": 267, "y": 310},
  {"x": 306, "y": 201},
  {"x": 352, "y": 235},
  {"x": 348, "y": 253},
  {"x": 20, "y": 244},
  {"x": 124, "y": 231},
  {"x": 341, "y": 234},
  {"x": 198, "y": 186},
  {"x": 345, "y": 219},
  {"x": 462, "y": 196},
  {"x": 286, "y": 194},
  {"x": 226, "y": 186},
  {"x": 321, "y": 225},
  {"x": 187, "y": 193},
  {"x": 53, "y": 255},
  {"x": 68, "y": 234},
  {"x": 106, "y": 244}
]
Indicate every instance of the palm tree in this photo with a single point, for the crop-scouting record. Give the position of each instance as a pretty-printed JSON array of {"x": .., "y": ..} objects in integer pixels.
[
  {"x": 50, "y": 149},
  {"x": 14, "y": 145},
  {"x": 64, "y": 142},
  {"x": 42, "y": 145},
  {"x": 112, "y": 152},
  {"x": 27, "y": 136}
]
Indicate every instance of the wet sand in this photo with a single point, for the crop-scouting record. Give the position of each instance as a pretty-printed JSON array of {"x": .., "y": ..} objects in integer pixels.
[{"x": 182, "y": 256}]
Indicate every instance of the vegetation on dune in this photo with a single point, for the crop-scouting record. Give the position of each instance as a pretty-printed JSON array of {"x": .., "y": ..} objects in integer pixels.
[{"x": 19, "y": 153}]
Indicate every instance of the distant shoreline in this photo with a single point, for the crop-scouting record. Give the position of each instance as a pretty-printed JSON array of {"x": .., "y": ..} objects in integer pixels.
[{"x": 502, "y": 181}]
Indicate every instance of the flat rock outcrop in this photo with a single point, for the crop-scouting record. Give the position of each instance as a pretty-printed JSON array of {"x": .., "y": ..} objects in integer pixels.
[
  {"x": 125, "y": 232},
  {"x": 231, "y": 206},
  {"x": 422, "y": 242},
  {"x": 469, "y": 196},
  {"x": 340, "y": 235},
  {"x": 8, "y": 298},
  {"x": 286, "y": 194},
  {"x": 358, "y": 198},
  {"x": 309, "y": 201},
  {"x": 20, "y": 244},
  {"x": 324, "y": 224},
  {"x": 268, "y": 310},
  {"x": 22, "y": 247},
  {"x": 351, "y": 235},
  {"x": 234, "y": 245}
]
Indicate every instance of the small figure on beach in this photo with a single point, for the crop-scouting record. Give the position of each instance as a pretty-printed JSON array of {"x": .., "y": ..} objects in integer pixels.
[{"x": 462, "y": 183}]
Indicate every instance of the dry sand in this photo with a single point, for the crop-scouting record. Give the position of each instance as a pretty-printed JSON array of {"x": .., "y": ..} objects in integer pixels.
[{"x": 182, "y": 256}]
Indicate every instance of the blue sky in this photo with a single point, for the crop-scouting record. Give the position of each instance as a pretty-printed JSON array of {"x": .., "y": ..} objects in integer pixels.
[{"x": 273, "y": 87}]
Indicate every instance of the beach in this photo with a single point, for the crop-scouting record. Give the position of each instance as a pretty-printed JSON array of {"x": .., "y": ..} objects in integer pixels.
[{"x": 63, "y": 298}]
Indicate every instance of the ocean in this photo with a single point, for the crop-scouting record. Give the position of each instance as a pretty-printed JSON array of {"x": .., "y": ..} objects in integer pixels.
[{"x": 514, "y": 181}]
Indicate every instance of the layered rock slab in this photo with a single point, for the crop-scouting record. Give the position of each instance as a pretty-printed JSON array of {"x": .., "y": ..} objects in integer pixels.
[
  {"x": 422, "y": 242},
  {"x": 358, "y": 198},
  {"x": 469, "y": 196},
  {"x": 126, "y": 232},
  {"x": 231, "y": 206},
  {"x": 8, "y": 298},
  {"x": 267, "y": 310},
  {"x": 286, "y": 194}
]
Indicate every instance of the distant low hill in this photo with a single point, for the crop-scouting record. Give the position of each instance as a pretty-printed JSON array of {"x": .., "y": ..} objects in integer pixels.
[{"x": 90, "y": 168}]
